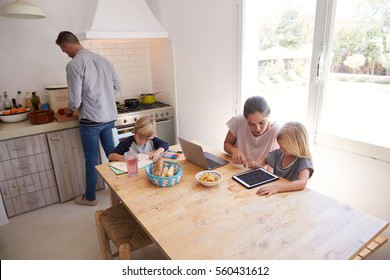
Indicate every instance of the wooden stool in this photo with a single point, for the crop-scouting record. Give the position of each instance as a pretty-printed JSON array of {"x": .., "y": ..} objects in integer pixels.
[
  {"x": 117, "y": 224},
  {"x": 373, "y": 246}
]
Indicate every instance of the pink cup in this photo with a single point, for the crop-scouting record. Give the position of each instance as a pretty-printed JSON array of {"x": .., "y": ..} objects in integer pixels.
[{"x": 131, "y": 163}]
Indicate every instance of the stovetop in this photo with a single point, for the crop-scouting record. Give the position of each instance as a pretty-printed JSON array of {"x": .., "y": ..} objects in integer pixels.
[
  {"x": 123, "y": 109},
  {"x": 128, "y": 117}
]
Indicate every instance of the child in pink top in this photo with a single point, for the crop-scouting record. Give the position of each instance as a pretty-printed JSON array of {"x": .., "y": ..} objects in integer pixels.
[{"x": 251, "y": 135}]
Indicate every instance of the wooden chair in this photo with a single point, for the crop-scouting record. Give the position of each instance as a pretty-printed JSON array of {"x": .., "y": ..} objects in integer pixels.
[
  {"x": 117, "y": 224},
  {"x": 373, "y": 246}
]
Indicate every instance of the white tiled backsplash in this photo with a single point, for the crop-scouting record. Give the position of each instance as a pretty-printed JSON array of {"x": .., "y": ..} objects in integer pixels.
[{"x": 133, "y": 61}]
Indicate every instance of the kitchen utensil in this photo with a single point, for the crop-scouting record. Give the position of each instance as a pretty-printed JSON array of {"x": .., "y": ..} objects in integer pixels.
[
  {"x": 16, "y": 117},
  {"x": 132, "y": 103},
  {"x": 149, "y": 98},
  {"x": 41, "y": 116}
]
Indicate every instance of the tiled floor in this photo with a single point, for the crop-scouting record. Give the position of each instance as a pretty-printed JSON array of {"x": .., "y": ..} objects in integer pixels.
[{"x": 67, "y": 231}]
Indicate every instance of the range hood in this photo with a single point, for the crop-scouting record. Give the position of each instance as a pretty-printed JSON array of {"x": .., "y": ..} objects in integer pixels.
[{"x": 120, "y": 19}]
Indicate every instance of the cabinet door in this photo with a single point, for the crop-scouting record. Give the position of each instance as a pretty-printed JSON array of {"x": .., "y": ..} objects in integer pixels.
[
  {"x": 68, "y": 162},
  {"x": 25, "y": 166},
  {"x": 14, "y": 206},
  {"x": 5, "y": 191},
  {"x": 2, "y": 172},
  {"x": 4, "y": 153},
  {"x": 39, "y": 143},
  {"x": 8, "y": 170},
  {"x": 51, "y": 195}
]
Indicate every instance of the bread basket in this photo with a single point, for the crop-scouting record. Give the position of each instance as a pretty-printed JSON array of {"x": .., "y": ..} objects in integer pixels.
[
  {"x": 165, "y": 181},
  {"x": 41, "y": 116}
]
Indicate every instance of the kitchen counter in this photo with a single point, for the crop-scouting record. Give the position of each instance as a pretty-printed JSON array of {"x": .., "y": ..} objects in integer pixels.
[{"x": 25, "y": 128}]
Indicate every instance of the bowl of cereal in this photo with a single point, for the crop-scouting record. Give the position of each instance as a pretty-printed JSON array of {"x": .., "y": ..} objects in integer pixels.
[{"x": 209, "y": 178}]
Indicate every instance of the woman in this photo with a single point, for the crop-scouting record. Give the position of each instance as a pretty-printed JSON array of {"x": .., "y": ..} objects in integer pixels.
[{"x": 251, "y": 135}]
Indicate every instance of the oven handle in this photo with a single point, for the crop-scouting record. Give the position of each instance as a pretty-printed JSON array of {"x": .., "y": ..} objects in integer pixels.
[
  {"x": 130, "y": 127},
  {"x": 164, "y": 120}
]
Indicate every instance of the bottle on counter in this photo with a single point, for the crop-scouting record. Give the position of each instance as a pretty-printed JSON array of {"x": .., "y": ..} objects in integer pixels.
[
  {"x": 35, "y": 101},
  {"x": 21, "y": 100},
  {"x": 7, "y": 102},
  {"x": 14, "y": 105},
  {"x": 28, "y": 100},
  {"x": 2, "y": 106}
]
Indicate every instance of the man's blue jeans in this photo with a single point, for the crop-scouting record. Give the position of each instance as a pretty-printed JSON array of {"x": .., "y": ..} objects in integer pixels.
[{"x": 90, "y": 136}]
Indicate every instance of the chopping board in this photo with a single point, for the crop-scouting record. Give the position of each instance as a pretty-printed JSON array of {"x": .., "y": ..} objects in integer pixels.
[{"x": 65, "y": 118}]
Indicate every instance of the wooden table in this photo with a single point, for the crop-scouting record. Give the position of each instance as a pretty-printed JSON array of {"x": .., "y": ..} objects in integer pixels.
[{"x": 228, "y": 221}]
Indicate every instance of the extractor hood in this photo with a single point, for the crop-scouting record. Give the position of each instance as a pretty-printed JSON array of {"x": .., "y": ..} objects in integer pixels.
[{"x": 120, "y": 19}]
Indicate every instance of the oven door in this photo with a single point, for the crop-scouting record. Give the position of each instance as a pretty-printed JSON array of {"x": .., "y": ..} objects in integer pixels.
[
  {"x": 120, "y": 134},
  {"x": 165, "y": 131}
]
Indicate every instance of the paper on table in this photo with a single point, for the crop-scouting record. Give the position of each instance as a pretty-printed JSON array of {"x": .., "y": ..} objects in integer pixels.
[{"x": 143, "y": 161}]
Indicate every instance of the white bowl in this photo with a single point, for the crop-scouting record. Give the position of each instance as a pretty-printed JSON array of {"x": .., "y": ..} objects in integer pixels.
[
  {"x": 208, "y": 172},
  {"x": 17, "y": 117}
]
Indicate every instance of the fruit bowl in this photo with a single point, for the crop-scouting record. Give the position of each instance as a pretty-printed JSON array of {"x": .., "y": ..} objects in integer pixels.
[{"x": 16, "y": 117}]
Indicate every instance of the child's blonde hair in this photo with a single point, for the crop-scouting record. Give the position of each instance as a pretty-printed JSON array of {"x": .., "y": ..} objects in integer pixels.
[
  {"x": 145, "y": 127},
  {"x": 295, "y": 139}
]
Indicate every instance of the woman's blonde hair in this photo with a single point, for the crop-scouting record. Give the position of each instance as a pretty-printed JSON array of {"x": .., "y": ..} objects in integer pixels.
[
  {"x": 295, "y": 140},
  {"x": 145, "y": 127}
]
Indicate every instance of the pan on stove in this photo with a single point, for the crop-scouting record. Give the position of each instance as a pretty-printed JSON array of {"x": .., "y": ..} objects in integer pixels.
[
  {"x": 132, "y": 103},
  {"x": 148, "y": 98}
]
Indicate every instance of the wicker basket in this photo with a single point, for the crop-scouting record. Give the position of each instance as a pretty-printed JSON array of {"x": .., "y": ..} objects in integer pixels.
[
  {"x": 165, "y": 181},
  {"x": 41, "y": 116}
]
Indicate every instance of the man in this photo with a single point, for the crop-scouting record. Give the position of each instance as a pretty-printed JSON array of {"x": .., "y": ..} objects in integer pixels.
[{"x": 92, "y": 86}]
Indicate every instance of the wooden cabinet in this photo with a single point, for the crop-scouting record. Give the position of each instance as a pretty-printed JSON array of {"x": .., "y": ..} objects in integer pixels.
[
  {"x": 69, "y": 165},
  {"x": 42, "y": 169},
  {"x": 27, "y": 179},
  {"x": 68, "y": 161}
]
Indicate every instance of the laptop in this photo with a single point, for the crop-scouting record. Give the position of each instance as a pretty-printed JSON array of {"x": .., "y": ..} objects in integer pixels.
[{"x": 194, "y": 153}]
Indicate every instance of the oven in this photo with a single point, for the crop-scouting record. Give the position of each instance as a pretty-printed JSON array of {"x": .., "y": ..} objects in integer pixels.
[{"x": 162, "y": 113}]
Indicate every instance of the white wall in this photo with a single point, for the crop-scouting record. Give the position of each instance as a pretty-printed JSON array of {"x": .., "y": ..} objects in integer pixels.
[
  {"x": 204, "y": 38},
  {"x": 205, "y": 48},
  {"x": 29, "y": 57}
]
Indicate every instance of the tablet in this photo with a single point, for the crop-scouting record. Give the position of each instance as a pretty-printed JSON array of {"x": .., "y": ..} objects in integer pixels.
[{"x": 255, "y": 177}]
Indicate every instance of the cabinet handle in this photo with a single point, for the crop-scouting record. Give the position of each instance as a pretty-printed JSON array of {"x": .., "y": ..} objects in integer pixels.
[
  {"x": 56, "y": 138},
  {"x": 24, "y": 166}
]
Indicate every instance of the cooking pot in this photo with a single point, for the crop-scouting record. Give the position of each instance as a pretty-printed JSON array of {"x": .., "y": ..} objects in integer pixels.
[
  {"x": 148, "y": 98},
  {"x": 131, "y": 103}
]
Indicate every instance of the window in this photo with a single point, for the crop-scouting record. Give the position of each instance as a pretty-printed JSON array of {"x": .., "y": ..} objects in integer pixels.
[{"x": 323, "y": 63}]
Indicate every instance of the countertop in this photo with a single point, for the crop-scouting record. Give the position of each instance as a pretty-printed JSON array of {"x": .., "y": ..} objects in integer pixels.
[{"x": 25, "y": 128}]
